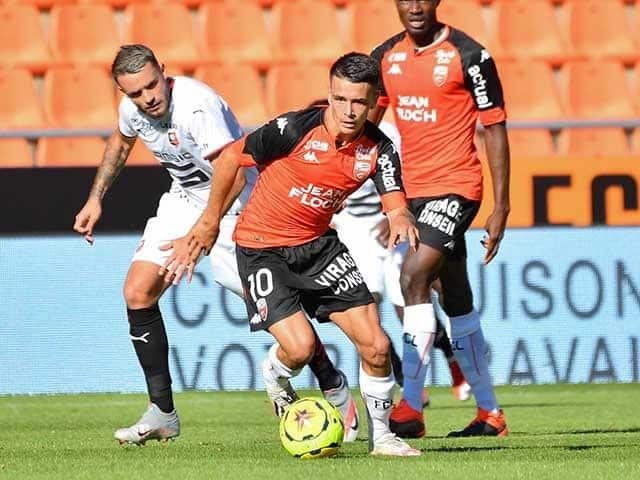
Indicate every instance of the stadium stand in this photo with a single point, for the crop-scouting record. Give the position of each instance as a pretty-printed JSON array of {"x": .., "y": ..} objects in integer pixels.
[
  {"x": 15, "y": 153},
  {"x": 599, "y": 142},
  {"x": 83, "y": 34},
  {"x": 598, "y": 90},
  {"x": 382, "y": 22},
  {"x": 564, "y": 63},
  {"x": 19, "y": 103},
  {"x": 467, "y": 15},
  {"x": 165, "y": 27},
  {"x": 527, "y": 143},
  {"x": 528, "y": 30},
  {"x": 291, "y": 87},
  {"x": 236, "y": 32},
  {"x": 233, "y": 82},
  {"x": 22, "y": 39},
  {"x": 530, "y": 91},
  {"x": 141, "y": 155},
  {"x": 69, "y": 152},
  {"x": 306, "y": 31},
  {"x": 601, "y": 30},
  {"x": 79, "y": 98}
]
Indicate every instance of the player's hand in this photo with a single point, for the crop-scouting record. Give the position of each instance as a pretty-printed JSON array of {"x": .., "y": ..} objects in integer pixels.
[
  {"x": 496, "y": 223},
  {"x": 402, "y": 227},
  {"x": 87, "y": 218},
  {"x": 186, "y": 251},
  {"x": 382, "y": 232}
]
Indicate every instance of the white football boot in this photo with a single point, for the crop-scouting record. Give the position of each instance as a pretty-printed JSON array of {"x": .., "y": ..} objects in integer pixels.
[
  {"x": 153, "y": 425},
  {"x": 280, "y": 391},
  {"x": 342, "y": 399},
  {"x": 390, "y": 445}
]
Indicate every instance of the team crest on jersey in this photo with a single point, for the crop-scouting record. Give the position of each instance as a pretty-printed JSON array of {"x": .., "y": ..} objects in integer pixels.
[
  {"x": 361, "y": 169},
  {"x": 263, "y": 310},
  {"x": 440, "y": 75},
  {"x": 173, "y": 137}
]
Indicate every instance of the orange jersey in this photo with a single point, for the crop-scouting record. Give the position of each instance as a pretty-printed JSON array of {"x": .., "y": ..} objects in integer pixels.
[
  {"x": 437, "y": 93},
  {"x": 305, "y": 178}
]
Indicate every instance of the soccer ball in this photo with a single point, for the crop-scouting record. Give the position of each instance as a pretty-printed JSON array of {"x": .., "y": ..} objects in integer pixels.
[{"x": 311, "y": 428}]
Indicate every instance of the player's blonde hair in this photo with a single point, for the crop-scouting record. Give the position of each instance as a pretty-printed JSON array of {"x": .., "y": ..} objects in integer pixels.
[{"x": 132, "y": 59}]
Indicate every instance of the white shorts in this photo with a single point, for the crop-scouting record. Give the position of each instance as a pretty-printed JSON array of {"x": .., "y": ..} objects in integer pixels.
[
  {"x": 176, "y": 214},
  {"x": 392, "y": 267}
]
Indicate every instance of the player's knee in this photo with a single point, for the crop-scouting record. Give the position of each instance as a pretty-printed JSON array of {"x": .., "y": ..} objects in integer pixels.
[
  {"x": 301, "y": 353},
  {"x": 414, "y": 287},
  {"x": 137, "y": 296},
  {"x": 376, "y": 355}
]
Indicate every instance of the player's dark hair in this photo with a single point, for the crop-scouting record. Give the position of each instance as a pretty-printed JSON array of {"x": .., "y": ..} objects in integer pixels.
[
  {"x": 356, "y": 68},
  {"x": 132, "y": 59}
]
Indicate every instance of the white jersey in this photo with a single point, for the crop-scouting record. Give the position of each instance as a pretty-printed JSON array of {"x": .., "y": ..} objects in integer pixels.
[{"x": 198, "y": 123}]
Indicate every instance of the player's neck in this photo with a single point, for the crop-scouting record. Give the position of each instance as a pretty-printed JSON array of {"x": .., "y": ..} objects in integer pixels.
[
  {"x": 433, "y": 35},
  {"x": 332, "y": 128}
]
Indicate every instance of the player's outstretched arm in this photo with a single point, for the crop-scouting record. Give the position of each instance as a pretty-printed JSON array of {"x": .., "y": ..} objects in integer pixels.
[
  {"x": 228, "y": 181},
  {"x": 497, "y": 145},
  {"x": 115, "y": 155}
]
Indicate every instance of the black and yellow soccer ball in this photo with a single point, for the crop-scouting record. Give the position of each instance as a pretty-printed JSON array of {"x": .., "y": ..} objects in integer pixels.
[{"x": 311, "y": 428}]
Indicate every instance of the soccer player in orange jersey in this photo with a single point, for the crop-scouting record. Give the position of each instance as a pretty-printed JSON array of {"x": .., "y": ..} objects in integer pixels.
[
  {"x": 439, "y": 82},
  {"x": 290, "y": 260}
]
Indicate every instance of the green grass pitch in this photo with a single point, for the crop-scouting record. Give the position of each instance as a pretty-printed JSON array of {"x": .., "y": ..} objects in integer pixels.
[{"x": 557, "y": 431}]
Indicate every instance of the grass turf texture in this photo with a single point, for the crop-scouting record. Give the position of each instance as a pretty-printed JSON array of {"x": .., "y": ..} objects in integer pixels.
[{"x": 557, "y": 431}]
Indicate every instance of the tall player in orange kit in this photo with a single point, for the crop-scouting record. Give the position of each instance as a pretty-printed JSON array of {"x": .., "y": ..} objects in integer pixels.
[
  {"x": 290, "y": 260},
  {"x": 439, "y": 82}
]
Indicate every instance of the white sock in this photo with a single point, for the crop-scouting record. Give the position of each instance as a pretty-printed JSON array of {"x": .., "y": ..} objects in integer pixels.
[
  {"x": 377, "y": 393},
  {"x": 419, "y": 332},
  {"x": 279, "y": 371},
  {"x": 470, "y": 352}
]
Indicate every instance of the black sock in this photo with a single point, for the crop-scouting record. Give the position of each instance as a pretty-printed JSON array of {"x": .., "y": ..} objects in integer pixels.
[
  {"x": 323, "y": 368},
  {"x": 442, "y": 341},
  {"x": 396, "y": 364},
  {"x": 149, "y": 340}
]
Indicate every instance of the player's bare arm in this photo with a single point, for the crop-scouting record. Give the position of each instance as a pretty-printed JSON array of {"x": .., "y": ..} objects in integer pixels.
[
  {"x": 497, "y": 145},
  {"x": 402, "y": 227},
  {"x": 229, "y": 182},
  {"x": 115, "y": 155}
]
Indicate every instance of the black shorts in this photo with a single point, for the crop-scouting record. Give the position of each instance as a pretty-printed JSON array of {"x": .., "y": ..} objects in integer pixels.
[
  {"x": 319, "y": 276},
  {"x": 442, "y": 222}
]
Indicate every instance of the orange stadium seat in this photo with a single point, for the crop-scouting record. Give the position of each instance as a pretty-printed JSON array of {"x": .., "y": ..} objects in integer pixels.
[
  {"x": 293, "y": 87},
  {"x": 69, "y": 152},
  {"x": 15, "y": 153},
  {"x": 601, "y": 30},
  {"x": 306, "y": 31},
  {"x": 83, "y": 34},
  {"x": 22, "y": 40},
  {"x": 141, "y": 155},
  {"x": 528, "y": 143},
  {"x": 529, "y": 30},
  {"x": 19, "y": 103},
  {"x": 115, "y": 3},
  {"x": 40, "y": 4},
  {"x": 593, "y": 142},
  {"x": 166, "y": 28},
  {"x": 79, "y": 97},
  {"x": 597, "y": 90},
  {"x": 530, "y": 91},
  {"x": 236, "y": 31},
  {"x": 466, "y": 15},
  {"x": 371, "y": 22},
  {"x": 241, "y": 87},
  {"x": 635, "y": 141}
]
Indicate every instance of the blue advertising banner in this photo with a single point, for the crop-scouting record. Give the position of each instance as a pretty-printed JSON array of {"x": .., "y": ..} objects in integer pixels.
[{"x": 557, "y": 305}]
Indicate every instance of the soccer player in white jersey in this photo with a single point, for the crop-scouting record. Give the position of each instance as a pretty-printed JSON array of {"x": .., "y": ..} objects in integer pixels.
[
  {"x": 363, "y": 227},
  {"x": 185, "y": 124}
]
